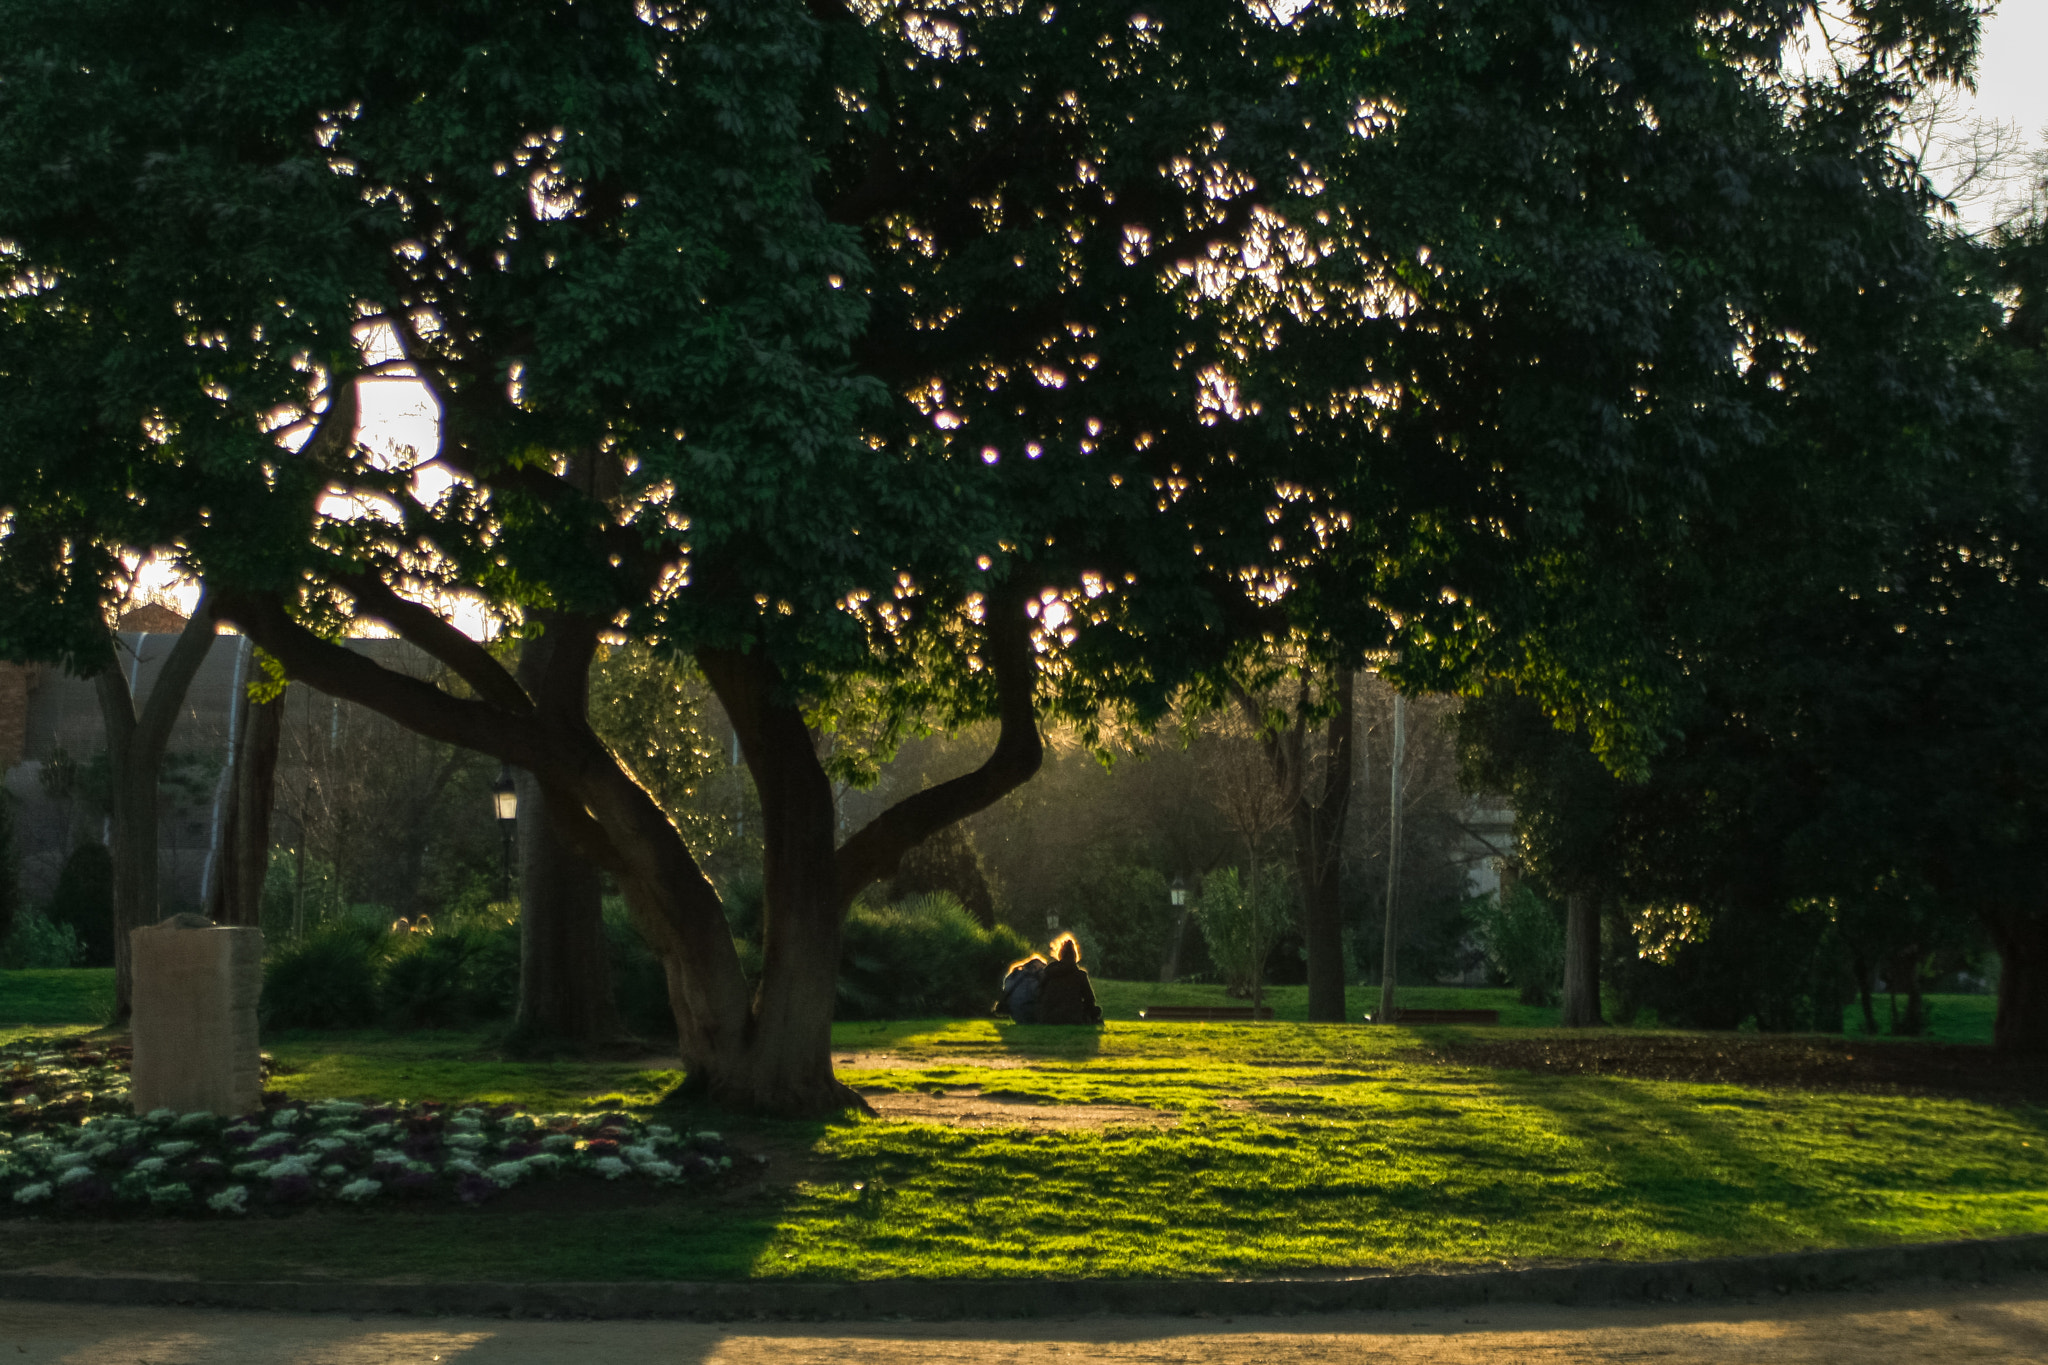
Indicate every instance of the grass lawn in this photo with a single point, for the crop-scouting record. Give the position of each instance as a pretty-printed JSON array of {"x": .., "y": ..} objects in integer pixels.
[
  {"x": 55, "y": 996},
  {"x": 1299, "y": 1147}
]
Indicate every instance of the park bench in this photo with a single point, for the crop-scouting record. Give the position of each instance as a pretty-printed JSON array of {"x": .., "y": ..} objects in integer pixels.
[
  {"x": 1177, "y": 1013},
  {"x": 1444, "y": 1017}
]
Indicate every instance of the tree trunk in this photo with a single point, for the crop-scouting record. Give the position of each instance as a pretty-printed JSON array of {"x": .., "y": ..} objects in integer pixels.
[
  {"x": 565, "y": 977},
  {"x": 135, "y": 749},
  {"x": 1390, "y": 936},
  {"x": 245, "y": 839},
  {"x": 2022, "y": 1024},
  {"x": 1318, "y": 856},
  {"x": 769, "y": 1054},
  {"x": 1581, "y": 962}
]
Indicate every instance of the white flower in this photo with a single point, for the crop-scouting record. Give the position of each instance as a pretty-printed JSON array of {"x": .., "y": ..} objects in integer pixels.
[
  {"x": 342, "y": 1109},
  {"x": 558, "y": 1142},
  {"x": 420, "y": 1167},
  {"x": 610, "y": 1167},
  {"x": 657, "y": 1170},
  {"x": 150, "y": 1165},
  {"x": 326, "y": 1144},
  {"x": 233, "y": 1199},
  {"x": 707, "y": 1139},
  {"x": 74, "y": 1175},
  {"x": 174, "y": 1149},
  {"x": 517, "y": 1123},
  {"x": 333, "y": 1172},
  {"x": 376, "y": 1132},
  {"x": 105, "y": 1150},
  {"x": 248, "y": 1170},
  {"x": 270, "y": 1142},
  {"x": 470, "y": 1115},
  {"x": 639, "y": 1155},
  {"x": 29, "y": 1194},
  {"x": 542, "y": 1161},
  {"x": 464, "y": 1166},
  {"x": 725, "y": 1163},
  {"x": 658, "y": 1133},
  {"x": 241, "y": 1130},
  {"x": 70, "y": 1159},
  {"x": 194, "y": 1122},
  {"x": 507, "y": 1172},
  {"x": 284, "y": 1166},
  {"x": 468, "y": 1142},
  {"x": 388, "y": 1154},
  {"x": 356, "y": 1191},
  {"x": 284, "y": 1118},
  {"x": 160, "y": 1117}
]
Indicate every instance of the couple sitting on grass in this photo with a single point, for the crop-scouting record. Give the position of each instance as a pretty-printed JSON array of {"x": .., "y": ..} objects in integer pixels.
[{"x": 1057, "y": 992}]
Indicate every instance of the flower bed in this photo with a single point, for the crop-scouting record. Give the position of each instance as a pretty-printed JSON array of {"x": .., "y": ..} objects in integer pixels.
[{"x": 71, "y": 1146}]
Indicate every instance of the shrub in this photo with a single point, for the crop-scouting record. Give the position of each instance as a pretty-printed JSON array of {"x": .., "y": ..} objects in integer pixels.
[
  {"x": 462, "y": 974},
  {"x": 639, "y": 985},
  {"x": 84, "y": 900},
  {"x": 1237, "y": 937},
  {"x": 328, "y": 979},
  {"x": 34, "y": 941},
  {"x": 1524, "y": 939},
  {"x": 925, "y": 956}
]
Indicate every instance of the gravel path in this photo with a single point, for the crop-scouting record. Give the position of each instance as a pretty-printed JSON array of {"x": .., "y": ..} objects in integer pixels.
[{"x": 2007, "y": 1322}]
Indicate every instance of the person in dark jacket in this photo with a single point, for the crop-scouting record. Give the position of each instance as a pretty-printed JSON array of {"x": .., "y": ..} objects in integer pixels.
[
  {"x": 1065, "y": 997},
  {"x": 1020, "y": 990}
]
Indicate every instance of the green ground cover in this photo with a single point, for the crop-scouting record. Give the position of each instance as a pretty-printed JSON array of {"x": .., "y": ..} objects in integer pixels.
[{"x": 1297, "y": 1147}]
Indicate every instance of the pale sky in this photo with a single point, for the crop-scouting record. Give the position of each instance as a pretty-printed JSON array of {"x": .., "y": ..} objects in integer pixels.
[{"x": 2012, "y": 74}]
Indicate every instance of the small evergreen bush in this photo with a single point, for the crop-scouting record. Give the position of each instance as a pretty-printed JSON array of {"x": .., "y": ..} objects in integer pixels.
[
  {"x": 84, "y": 900},
  {"x": 922, "y": 957},
  {"x": 1524, "y": 938}
]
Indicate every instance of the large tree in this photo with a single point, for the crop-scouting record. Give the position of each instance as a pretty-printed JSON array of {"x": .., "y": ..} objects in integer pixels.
[{"x": 1174, "y": 335}]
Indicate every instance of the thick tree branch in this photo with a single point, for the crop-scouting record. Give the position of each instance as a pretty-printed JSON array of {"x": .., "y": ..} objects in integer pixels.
[
  {"x": 873, "y": 852},
  {"x": 413, "y": 703},
  {"x": 167, "y": 695},
  {"x": 425, "y": 628}
]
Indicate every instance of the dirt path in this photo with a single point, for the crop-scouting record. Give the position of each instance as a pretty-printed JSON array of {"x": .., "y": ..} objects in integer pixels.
[{"x": 2002, "y": 1323}]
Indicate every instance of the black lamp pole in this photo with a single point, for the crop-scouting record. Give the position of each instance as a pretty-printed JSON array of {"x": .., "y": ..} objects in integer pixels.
[{"x": 505, "y": 805}]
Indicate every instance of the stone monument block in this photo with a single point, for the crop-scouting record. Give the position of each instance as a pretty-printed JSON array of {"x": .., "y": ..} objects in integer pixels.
[{"x": 194, "y": 1021}]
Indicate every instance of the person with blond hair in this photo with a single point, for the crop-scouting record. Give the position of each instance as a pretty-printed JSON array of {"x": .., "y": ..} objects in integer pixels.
[{"x": 1064, "y": 996}]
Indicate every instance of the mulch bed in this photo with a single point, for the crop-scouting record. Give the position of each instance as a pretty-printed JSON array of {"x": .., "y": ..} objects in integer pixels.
[{"x": 1773, "y": 1062}]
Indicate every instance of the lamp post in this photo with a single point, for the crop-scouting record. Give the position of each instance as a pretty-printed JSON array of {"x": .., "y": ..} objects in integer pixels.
[
  {"x": 505, "y": 805},
  {"x": 1177, "y": 896}
]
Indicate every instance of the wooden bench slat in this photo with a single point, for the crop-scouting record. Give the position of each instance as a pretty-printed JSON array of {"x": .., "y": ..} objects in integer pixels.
[{"x": 1159, "y": 1013}]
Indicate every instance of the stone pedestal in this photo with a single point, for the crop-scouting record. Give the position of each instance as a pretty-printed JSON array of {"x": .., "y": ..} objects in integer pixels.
[{"x": 194, "y": 1020}]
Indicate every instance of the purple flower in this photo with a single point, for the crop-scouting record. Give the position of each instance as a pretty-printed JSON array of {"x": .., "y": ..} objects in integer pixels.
[
  {"x": 422, "y": 1146},
  {"x": 519, "y": 1151},
  {"x": 89, "y": 1193},
  {"x": 413, "y": 1184},
  {"x": 292, "y": 1189},
  {"x": 474, "y": 1189}
]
